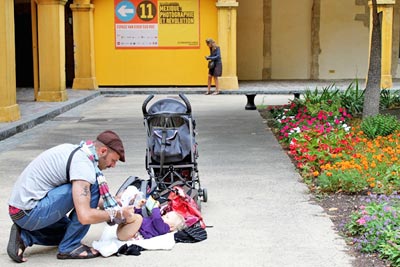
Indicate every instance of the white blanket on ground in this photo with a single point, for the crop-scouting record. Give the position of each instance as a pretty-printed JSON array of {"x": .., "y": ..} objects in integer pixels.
[{"x": 108, "y": 244}]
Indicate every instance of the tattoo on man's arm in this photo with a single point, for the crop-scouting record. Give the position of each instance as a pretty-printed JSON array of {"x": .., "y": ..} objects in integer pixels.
[{"x": 85, "y": 191}]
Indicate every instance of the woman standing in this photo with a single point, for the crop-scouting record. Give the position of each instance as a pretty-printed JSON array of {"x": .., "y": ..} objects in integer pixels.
[{"x": 214, "y": 65}]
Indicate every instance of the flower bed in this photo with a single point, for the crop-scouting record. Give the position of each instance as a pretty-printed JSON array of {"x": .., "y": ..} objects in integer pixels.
[{"x": 335, "y": 152}]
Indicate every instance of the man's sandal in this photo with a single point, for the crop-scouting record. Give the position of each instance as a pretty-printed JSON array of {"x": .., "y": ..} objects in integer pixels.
[
  {"x": 76, "y": 253},
  {"x": 16, "y": 247}
]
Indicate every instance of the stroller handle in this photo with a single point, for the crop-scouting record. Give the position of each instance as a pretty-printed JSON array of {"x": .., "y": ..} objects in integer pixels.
[
  {"x": 187, "y": 103},
  {"x": 181, "y": 95},
  {"x": 144, "y": 106}
]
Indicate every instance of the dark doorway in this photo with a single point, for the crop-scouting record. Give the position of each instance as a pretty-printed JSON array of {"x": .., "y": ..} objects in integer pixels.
[
  {"x": 23, "y": 44},
  {"x": 69, "y": 46}
]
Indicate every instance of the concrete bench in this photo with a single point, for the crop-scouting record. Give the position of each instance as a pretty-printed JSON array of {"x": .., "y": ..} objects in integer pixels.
[
  {"x": 251, "y": 94},
  {"x": 248, "y": 92}
]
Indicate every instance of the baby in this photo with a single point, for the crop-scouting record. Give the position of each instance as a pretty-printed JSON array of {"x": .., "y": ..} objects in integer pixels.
[{"x": 151, "y": 226}]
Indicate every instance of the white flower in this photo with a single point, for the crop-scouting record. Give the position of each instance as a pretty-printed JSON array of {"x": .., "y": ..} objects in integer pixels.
[{"x": 346, "y": 127}]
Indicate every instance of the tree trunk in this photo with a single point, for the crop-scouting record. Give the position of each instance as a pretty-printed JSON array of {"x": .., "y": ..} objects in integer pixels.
[{"x": 373, "y": 87}]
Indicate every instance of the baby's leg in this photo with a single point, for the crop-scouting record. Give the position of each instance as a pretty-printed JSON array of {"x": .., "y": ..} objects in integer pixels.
[{"x": 128, "y": 230}]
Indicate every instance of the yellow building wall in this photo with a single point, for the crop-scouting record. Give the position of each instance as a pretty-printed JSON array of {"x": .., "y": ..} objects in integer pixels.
[
  {"x": 344, "y": 41},
  {"x": 291, "y": 39},
  {"x": 250, "y": 39},
  {"x": 125, "y": 67}
]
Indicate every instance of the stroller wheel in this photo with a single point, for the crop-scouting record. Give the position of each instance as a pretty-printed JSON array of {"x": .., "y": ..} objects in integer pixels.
[{"x": 204, "y": 194}]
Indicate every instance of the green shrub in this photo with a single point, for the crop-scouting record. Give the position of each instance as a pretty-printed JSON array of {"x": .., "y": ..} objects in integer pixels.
[
  {"x": 353, "y": 98},
  {"x": 389, "y": 99},
  {"x": 379, "y": 125}
]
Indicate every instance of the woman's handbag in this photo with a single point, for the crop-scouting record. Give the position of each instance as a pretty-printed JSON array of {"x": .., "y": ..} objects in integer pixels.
[{"x": 211, "y": 64}]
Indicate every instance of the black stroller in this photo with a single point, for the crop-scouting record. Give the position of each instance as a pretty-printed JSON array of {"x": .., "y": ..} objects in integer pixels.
[{"x": 171, "y": 151}]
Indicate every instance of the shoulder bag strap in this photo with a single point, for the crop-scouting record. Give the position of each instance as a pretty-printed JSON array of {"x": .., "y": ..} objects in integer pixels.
[{"x": 69, "y": 162}]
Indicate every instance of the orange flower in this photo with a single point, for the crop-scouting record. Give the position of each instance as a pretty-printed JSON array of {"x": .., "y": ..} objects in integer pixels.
[
  {"x": 315, "y": 173},
  {"x": 372, "y": 185},
  {"x": 380, "y": 157}
]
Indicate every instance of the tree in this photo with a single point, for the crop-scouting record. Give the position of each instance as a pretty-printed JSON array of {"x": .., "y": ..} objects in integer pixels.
[{"x": 372, "y": 91}]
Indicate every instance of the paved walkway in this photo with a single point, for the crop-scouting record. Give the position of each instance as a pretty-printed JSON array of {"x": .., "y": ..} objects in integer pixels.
[{"x": 260, "y": 211}]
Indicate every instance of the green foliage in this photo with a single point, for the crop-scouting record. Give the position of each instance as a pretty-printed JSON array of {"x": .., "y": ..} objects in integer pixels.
[
  {"x": 353, "y": 98},
  {"x": 317, "y": 96},
  {"x": 348, "y": 181},
  {"x": 391, "y": 249},
  {"x": 389, "y": 99},
  {"x": 390, "y": 179},
  {"x": 375, "y": 227},
  {"x": 379, "y": 125},
  {"x": 327, "y": 100}
]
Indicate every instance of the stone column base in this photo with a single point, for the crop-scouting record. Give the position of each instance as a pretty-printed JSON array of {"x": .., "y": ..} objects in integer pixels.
[
  {"x": 228, "y": 83},
  {"x": 10, "y": 113},
  {"x": 52, "y": 96},
  {"x": 85, "y": 83},
  {"x": 386, "y": 81}
]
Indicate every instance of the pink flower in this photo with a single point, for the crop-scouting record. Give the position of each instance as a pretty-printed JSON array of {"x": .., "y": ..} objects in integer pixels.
[
  {"x": 364, "y": 212},
  {"x": 361, "y": 221}
]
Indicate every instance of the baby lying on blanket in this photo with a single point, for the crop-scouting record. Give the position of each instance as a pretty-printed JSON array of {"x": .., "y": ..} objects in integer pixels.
[{"x": 151, "y": 226}]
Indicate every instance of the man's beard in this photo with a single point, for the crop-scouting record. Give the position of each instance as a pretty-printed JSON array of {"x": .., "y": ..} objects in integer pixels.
[{"x": 102, "y": 162}]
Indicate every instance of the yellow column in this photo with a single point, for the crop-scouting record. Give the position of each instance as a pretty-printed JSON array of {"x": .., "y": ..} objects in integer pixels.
[
  {"x": 51, "y": 37},
  {"x": 227, "y": 14},
  {"x": 82, "y": 12},
  {"x": 386, "y": 7},
  {"x": 9, "y": 109}
]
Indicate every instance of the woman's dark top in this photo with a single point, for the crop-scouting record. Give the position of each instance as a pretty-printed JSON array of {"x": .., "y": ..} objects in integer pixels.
[{"x": 215, "y": 55}]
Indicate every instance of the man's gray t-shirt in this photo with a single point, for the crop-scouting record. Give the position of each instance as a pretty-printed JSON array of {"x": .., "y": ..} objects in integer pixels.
[{"x": 48, "y": 171}]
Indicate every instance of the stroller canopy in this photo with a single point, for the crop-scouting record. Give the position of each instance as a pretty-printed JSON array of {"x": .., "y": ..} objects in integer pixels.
[{"x": 167, "y": 105}]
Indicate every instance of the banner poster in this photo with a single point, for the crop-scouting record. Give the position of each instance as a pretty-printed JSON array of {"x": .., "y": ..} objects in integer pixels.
[{"x": 156, "y": 23}]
